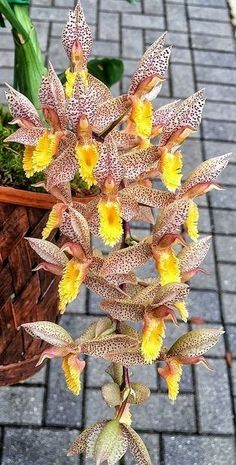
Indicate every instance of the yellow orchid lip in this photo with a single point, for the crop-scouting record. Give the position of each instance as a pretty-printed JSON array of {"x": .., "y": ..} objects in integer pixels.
[
  {"x": 141, "y": 118},
  {"x": 87, "y": 156},
  {"x": 110, "y": 229},
  {"x": 44, "y": 150},
  {"x": 168, "y": 266},
  {"x": 70, "y": 283},
  {"x": 152, "y": 338},
  {"x": 170, "y": 167}
]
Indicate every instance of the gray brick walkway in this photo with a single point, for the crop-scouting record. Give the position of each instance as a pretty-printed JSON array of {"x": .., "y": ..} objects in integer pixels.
[{"x": 40, "y": 417}]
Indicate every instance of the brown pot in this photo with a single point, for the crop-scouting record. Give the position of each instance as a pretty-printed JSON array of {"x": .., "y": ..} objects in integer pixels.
[{"x": 24, "y": 295}]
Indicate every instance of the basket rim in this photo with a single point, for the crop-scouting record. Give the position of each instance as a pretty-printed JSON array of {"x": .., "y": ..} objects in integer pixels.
[{"x": 13, "y": 196}]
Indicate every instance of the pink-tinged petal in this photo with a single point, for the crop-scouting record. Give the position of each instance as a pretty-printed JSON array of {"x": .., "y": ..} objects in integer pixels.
[
  {"x": 101, "y": 287},
  {"x": 110, "y": 111},
  {"x": 148, "y": 293},
  {"x": 129, "y": 206},
  {"x": 26, "y": 136},
  {"x": 90, "y": 212},
  {"x": 195, "y": 343},
  {"x": 203, "y": 176},
  {"x": 170, "y": 219},
  {"x": 192, "y": 255},
  {"x": 77, "y": 34},
  {"x": 164, "y": 114},
  {"x": 22, "y": 109},
  {"x": 62, "y": 192},
  {"x": 126, "y": 260},
  {"x": 103, "y": 345},
  {"x": 170, "y": 293},
  {"x": 151, "y": 197},
  {"x": 124, "y": 140},
  {"x": 145, "y": 215},
  {"x": 63, "y": 168},
  {"x": 152, "y": 63},
  {"x": 53, "y": 352},
  {"x": 86, "y": 99},
  {"x": 117, "y": 280},
  {"x": 54, "y": 269},
  {"x": 139, "y": 162},
  {"x": 123, "y": 310},
  {"x": 49, "y": 332},
  {"x": 52, "y": 98},
  {"x": 109, "y": 164},
  {"x": 132, "y": 357},
  {"x": 67, "y": 229},
  {"x": 48, "y": 251},
  {"x": 187, "y": 117},
  {"x": 98, "y": 90},
  {"x": 81, "y": 229},
  {"x": 82, "y": 104}
]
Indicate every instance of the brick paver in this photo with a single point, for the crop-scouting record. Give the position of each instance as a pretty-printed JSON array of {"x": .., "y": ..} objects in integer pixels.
[{"x": 40, "y": 418}]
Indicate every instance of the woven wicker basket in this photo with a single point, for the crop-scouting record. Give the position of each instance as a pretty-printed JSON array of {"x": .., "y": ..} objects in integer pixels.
[{"x": 24, "y": 295}]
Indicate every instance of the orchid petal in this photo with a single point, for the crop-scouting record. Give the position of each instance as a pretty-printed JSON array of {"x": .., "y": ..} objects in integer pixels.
[
  {"x": 49, "y": 332},
  {"x": 48, "y": 251}
]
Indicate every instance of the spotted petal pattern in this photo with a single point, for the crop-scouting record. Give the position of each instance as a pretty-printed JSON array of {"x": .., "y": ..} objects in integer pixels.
[
  {"x": 195, "y": 343},
  {"x": 207, "y": 172},
  {"x": 21, "y": 108},
  {"x": 77, "y": 30}
]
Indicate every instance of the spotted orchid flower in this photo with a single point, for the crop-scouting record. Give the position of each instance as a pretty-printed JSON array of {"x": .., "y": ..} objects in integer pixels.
[
  {"x": 82, "y": 267},
  {"x": 152, "y": 306},
  {"x": 183, "y": 122},
  {"x": 199, "y": 182},
  {"x": 191, "y": 257},
  {"x": 173, "y": 122},
  {"x": 187, "y": 350},
  {"x": 108, "y": 440},
  {"x": 166, "y": 232},
  {"x": 96, "y": 340},
  {"x": 145, "y": 85},
  {"x": 114, "y": 204},
  {"x": 77, "y": 42},
  {"x": 41, "y": 143}
]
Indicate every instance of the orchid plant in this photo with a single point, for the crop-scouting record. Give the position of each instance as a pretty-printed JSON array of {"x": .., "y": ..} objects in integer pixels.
[{"x": 118, "y": 146}]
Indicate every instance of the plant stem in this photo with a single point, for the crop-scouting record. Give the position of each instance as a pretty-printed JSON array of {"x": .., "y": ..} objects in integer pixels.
[{"x": 126, "y": 381}]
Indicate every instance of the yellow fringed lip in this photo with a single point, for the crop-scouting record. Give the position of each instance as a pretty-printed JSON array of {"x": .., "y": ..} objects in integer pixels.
[
  {"x": 110, "y": 222},
  {"x": 170, "y": 167},
  {"x": 87, "y": 156},
  {"x": 28, "y": 161},
  {"x": 72, "y": 368},
  {"x": 172, "y": 373},
  {"x": 70, "y": 283},
  {"x": 152, "y": 338},
  {"x": 44, "y": 151},
  {"x": 167, "y": 265},
  {"x": 141, "y": 116},
  {"x": 54, "y": 219},
  {"x": 191, "y": 222},
  {"x": 70, "y": 82}
]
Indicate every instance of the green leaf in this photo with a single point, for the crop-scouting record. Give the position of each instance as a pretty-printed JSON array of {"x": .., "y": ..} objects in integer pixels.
[
  {"x": 19, "y": 2},
  {"x": 107, "y": 70},
  {"x": 2, "y": 24},
  {"x": 132, "y": 1}
]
